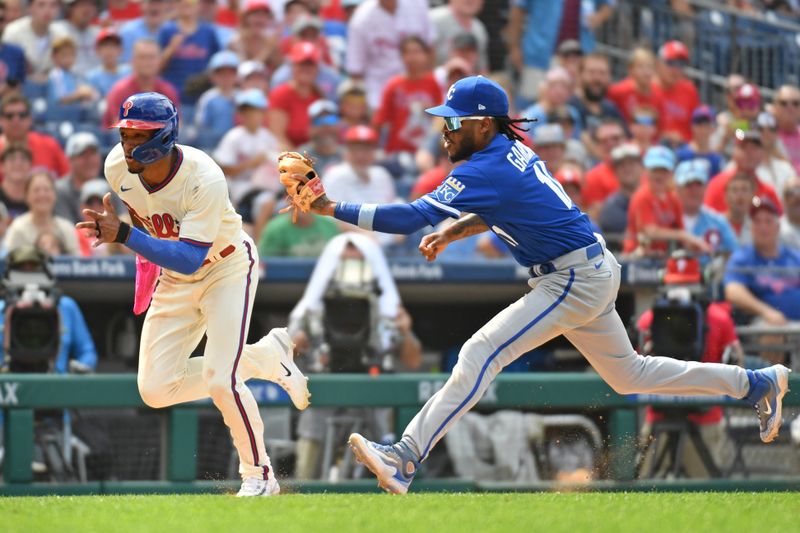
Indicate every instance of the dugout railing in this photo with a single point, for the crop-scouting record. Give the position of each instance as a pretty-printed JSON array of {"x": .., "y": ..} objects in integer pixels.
[{"x": 21, "y": 394}]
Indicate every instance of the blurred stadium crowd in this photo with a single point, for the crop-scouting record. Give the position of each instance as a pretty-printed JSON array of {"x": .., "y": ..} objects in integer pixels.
[{"x": 660, "y": 139}]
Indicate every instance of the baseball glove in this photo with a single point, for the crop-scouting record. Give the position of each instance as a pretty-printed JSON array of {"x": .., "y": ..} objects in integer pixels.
[{"x": 302, "y": 183}]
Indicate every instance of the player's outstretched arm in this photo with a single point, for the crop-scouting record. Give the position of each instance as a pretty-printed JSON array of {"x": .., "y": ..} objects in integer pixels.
[
  {"x": 183, "y": 257},
  {"x": 434, "y": 243}
]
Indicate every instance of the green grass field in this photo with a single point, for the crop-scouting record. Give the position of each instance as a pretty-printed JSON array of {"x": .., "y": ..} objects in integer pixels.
[{"x": 329, "y": 513}]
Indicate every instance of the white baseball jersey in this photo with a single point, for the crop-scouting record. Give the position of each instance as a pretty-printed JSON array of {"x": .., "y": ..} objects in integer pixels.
[{"x": 191, "y": 205}]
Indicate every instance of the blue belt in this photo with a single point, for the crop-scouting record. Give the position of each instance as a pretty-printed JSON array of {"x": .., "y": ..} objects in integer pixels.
[{"x": 543, "y": 269}]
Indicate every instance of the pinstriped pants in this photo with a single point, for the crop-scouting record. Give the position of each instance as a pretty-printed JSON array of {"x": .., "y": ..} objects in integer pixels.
[{"x": 577, "y": 302}]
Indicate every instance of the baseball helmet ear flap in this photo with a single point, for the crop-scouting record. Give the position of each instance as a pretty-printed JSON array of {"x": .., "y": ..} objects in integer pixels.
[{"x": 150, "y": 111}]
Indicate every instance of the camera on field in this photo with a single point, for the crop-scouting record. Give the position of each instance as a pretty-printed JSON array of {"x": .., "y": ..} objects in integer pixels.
[
  {"x": 32, "y": 324},
  {"x": 350, "y": 335}
]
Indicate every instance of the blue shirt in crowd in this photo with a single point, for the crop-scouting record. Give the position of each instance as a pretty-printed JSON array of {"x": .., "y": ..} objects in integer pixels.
[
  {"x": 102, "y": 80},
  {"x": 715, "y": 160},
  {"x": 715, "y": 230},
  {"x": 12, "y": 64},
  {"x": 191, "y": 58},
  {"x": 775, "y": 281},
  {"x": 132, "y": 31},
  {"x": 215, "y": 116}
]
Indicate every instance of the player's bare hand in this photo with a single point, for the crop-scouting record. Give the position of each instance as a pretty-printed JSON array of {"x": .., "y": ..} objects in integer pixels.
[
  {"x": 105, "y": 224},
  {"x": 433, "y": 244}
]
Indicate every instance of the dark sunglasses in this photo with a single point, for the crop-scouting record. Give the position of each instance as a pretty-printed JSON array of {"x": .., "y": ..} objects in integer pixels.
[
  {"x": 787, "y": 103},
  {"x": 20, "y": 114}
]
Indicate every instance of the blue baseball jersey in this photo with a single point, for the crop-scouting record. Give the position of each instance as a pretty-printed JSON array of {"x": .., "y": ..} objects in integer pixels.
[{"x": 509, "y": 187}]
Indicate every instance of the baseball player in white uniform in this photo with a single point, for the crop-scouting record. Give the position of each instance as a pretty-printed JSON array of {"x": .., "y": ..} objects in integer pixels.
[
  {"x": 504, "y": 187},
  {"x": 184, "y": 222}
]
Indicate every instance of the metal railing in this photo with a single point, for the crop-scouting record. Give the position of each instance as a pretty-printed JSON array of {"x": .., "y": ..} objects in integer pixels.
[{"x": 762, "y": 47}]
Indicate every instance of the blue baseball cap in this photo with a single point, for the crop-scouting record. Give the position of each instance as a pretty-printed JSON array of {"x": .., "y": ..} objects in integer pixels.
[
  {"x": 223, "y": 59},
  {"x": 251, "y": 98},
  {"x": 692, "y": 171},
  {"x": 659, "y": 157},
  {"x": 473, "y": 96}
]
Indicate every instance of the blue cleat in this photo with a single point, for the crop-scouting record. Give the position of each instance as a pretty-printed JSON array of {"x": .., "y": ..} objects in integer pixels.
[
  {"x": 767, "y": 389},
  {"x": 394, "y": 466}
]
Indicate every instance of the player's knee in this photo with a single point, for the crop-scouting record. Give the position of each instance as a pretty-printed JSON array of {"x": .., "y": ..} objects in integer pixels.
[
  {"x": 153, "y": 395},
  {"x": 217, "y": 383}
]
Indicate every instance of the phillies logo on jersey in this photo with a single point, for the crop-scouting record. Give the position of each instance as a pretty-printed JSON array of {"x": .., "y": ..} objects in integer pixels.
[
  {"x": 126, "y": 107},
  {"x": 448, "y": 190}
]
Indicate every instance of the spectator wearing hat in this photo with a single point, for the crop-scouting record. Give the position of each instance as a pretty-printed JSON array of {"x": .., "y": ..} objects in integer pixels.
[
  {"x": 590, "y": 98},
  {"x": 40, "y": 195},
  {"x": 570, "y": 57},
  {"x": 12, "y": 58},
  {"x": 108, "y": 46},
  {"x": 358, "y": 178},
  {"x": 739, "y": 193},
  {"x": 747, "y": 156},
  {"x": 64, "y": 84},
  {"x": 786, "y": 107},
  {"x": 638, "y": 92},
  {"x": 216, "y": 108},
  {"x": 323, "y": 147},
  {"x": 401, "y": 116},
  {"x": 679, "y": 93},
  {"x": 626, "y": 162},
  {"x": 35, "y": 33},
  {"x": 600, "y": 181},
  {"x": 655, "y": 217},
  {"x": 775, "y": 169},
  {"x": 307, "y": 28},
  {"x": 746, "y": 106},
  {"x": 15, "y": 161},
  {"x": 373, "y": 41},
  {"x": 154, "y": 14},
  {"x": 258, "y": 38},
  {"x": 83, "y": 151},
  {"x": 328, "y": 79},
  {"x": 247, "y": 153},
  {"x": 143, "y": 78},
  {"x": 187, "y": 45},
  {"x": 762, "y": 279},
  {"x": 699, "y": 147},
  {"x": 550, "y": 145},
  {"x": 454, "y": 18},
  {"x": 80, "y": 24},
  {"x": 90, "y": 196},
  {"x": 463, "y": 62},
  {"x": 15, "y": 123},
  {"x": 554, "y": 95},
  {"x": 289, "y": 102},
  {"x": 536, "y": 27},
  {"x": 252, "y": 74},
  {"x": 790, "y": 221},
  {"x": 691, "y": 178}
]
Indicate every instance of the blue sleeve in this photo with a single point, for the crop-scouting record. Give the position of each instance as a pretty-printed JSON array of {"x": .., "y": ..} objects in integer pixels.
[
  {"x": 81, "y": 347},
  {"x": 180, "y": 256},
  {"x": 462, "y": 192},
  {"x": 729, "y": 241},
  {"x": 389, "y": 218},
  {"x": 738, "y": 260},
  {"x": 165, "y": 34}
]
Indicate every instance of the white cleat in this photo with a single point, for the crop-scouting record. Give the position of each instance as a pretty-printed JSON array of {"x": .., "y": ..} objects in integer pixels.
[
  {"x": 279, "y": 366},
  {"x": 253, "y": 486}
]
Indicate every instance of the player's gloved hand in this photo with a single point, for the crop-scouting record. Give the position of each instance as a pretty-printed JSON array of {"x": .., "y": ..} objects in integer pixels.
[
  {"x": 107, "y": 226},
  {"x": 302, "y": 183}
]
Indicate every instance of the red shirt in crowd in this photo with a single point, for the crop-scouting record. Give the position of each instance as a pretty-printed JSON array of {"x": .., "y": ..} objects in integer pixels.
[
  {"x": 720, "y": 334},
  {"x": 287, "y": 99},
  {"x": 428, "y": 181},
  {"x": 131, "y": 10},
  {"x": 128, "y": 86},
  {"x": 599, "y": 183},
  {"x": 647, "y": 209},
  {"x": 629, "y": 100},
  {"x": 715, "y": 193},
  {"x": 403, "y": 109},
  {"x": 679, "y": 101},
  {"x": 46, "y": 153}
]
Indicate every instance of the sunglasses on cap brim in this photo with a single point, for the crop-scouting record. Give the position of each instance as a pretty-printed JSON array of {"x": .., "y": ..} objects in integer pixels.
[{"x": 454, "y": 123}]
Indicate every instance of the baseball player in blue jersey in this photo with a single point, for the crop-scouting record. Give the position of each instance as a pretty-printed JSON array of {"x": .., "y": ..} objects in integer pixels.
[{"x": 502, "y": 186}]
